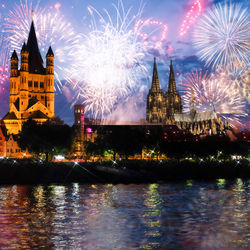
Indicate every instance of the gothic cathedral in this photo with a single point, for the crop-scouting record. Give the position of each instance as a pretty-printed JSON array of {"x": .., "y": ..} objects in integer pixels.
[
  {"x": 161, "y": 106},
  {"x": 31, "y": 86}
]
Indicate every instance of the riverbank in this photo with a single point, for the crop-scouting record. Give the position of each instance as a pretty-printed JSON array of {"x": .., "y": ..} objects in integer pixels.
[{"x": 27, "y": 172}]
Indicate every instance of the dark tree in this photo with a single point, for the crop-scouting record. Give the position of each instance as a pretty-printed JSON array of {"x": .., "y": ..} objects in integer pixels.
[{"x": 49, "y": 138}]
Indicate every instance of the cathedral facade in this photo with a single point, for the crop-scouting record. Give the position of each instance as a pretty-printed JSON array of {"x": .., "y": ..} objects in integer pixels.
[
  {"x": 161, "y": 106},
  {"x": 166, "y": 109},
  {"x": 31, "y": 86}
]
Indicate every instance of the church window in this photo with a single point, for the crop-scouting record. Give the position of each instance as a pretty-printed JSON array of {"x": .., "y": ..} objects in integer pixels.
[
  {"x": 36, "y": 84},
  {"x": 41, "y": 85},
  {"x": 30, "y": 84}
]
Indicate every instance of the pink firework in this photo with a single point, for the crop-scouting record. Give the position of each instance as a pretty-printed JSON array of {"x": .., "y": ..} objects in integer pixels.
[
  {"x": 215, "y": 92},
  {"x": 151, "y": 38},
  {"x": 191, "y": 17}
]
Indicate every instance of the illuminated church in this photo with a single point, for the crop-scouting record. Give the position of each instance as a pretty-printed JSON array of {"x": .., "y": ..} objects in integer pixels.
[
  {"x": 31, "y": 86},
  {"x": 166, "y": 108}
]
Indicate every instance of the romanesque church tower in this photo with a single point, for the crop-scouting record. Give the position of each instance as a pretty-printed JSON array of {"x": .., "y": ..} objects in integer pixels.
[
  {"x": 162, "y": 107},
  {"x": 31, "y": 86}
]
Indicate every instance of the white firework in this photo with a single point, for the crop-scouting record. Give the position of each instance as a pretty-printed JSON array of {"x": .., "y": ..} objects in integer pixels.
[
  {"x": 51, "y": 29},
  {"x": 109, "y": 63},
  {"x": 222, "y": 35}
]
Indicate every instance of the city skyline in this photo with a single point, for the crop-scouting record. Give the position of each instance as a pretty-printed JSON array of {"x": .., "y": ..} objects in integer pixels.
[{"x": 174, "y": 45}]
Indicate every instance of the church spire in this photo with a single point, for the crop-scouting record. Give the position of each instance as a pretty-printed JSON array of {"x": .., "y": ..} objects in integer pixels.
[
  {"x": 35, "y": 58},
  {"x": 171, "y": 83},
  {"x": 155, "y": 79}
]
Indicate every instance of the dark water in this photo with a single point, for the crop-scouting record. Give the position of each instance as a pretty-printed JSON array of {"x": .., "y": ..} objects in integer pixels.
[{"x": 188, "y": 215}]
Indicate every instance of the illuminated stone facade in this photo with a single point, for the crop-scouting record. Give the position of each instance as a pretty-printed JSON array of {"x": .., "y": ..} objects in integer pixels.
[
  {"x": 161, "y": 106},
  {"x": 31, "y": 86},
  {"x": 79, "y": 130},
  {"x": 166, "y": 108}
]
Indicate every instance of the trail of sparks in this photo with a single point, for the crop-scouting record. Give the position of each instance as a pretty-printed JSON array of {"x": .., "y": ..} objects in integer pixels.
[
  {"x": 222, "y": 36},
  {"x": 151, "y": 38},
  {"x": 109, "y": 62},
  {"x": 216, "y": 92},
  {"x": 191, "y": 17},
  {"x": 51, "y": 29}
]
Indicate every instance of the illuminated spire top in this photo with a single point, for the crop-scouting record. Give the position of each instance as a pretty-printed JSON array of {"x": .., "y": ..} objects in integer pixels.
[
  {"x": 50, "y": 52},
  {"x": 35, "y": 59},
  {"x": 192, "y": 102},
  {"x": 14, "y": 55},
  {"x": 171, "y": 83},
  {"x": 155, "y": 80}
]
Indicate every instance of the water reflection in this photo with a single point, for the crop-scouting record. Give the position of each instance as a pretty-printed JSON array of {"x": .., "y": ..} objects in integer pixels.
[{"x": 191, "y": 215}]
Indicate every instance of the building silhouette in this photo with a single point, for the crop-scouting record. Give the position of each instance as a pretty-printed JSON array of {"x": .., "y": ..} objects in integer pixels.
[{"x": 31, "y": 86}]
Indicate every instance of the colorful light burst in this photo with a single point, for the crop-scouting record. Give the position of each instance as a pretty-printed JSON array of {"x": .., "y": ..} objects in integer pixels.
[
  {"x": 221, "y": 36},
  {"x": 191, "y": 17},
  {"x": 240, "y": 74},
  {"x": 217, "y": 92},
  {"x": 4, "y": 62},
  {"x": 51, "y": 29},
  {"x": 151, "y": 39},
  {"x": 109, "y": 63}
]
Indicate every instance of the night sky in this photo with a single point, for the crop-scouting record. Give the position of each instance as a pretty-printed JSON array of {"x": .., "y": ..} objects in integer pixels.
[{"x": 176, "y": 47}]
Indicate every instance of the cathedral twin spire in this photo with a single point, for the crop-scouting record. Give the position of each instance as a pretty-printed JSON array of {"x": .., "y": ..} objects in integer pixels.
[
  {"x": 162, "y": 107},
  {"x": 155, "y": 79}
]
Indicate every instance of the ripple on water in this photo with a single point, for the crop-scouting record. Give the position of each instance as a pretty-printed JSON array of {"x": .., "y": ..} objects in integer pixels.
[{"x": 190, "y": 215}]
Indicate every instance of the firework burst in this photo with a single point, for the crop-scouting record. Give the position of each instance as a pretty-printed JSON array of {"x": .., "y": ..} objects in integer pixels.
[
  {"x": 109, "y": 62},
  {"x": 191, "y": 17},
  {"x": 51, "y": 29},
  {"x": 4, "y": 62},
  {"x": 216, "y": 92},
  {"x": 222, "y": 36},
  {"x": 151, "y": 39}
]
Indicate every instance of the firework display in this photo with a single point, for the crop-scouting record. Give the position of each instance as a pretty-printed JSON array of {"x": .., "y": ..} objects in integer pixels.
[
  {"x": 191, "y": 17},
  {"x": 151, "y": 39},
  {"x": 222, "y": 35},
  {"x": 110, "y": 63},
  {"x": 103, "y": 60},
  {"x": 215, "y": 92},
  {"x": 51, "y": 29}
]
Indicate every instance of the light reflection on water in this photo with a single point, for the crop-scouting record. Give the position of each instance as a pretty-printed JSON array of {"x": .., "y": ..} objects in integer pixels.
[{"x": 190, "y": 215}]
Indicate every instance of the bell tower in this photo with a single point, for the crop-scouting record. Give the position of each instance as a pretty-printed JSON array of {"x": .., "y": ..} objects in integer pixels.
[
  {"x": 50, "y": 82},
  {"x": 24, "y": 74}
]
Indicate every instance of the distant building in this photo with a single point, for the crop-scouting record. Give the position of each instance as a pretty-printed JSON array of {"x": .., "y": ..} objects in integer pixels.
[
  {"x": 3, "y": 136},
  {"x": 79, "y": 114},
  {"x": 161, "y": 106},
  {"x": 199, "y": 122},
  {"x": 13, "y": 150},
  {"x": 166, "y": 109},
  {"x": 31, "y": 86}
]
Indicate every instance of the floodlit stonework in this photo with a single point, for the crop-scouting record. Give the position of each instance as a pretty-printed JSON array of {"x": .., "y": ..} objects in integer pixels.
[
  {"x": 166, "y": 108},
  {"x": 31, "y": 86}
]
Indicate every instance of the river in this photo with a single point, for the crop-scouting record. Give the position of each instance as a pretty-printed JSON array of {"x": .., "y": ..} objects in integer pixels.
[{"x": 178, "y": 215}]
